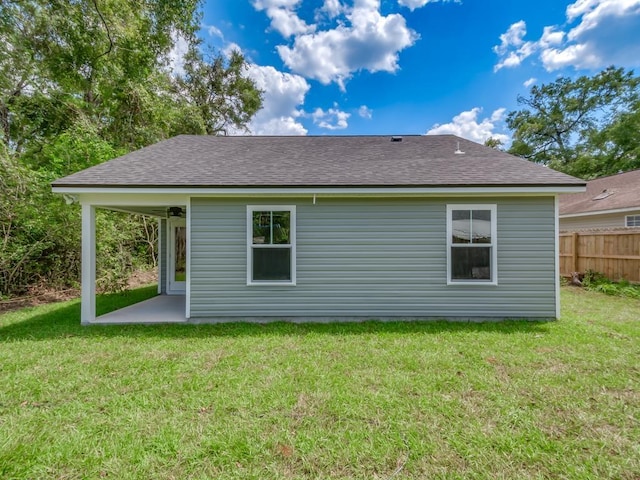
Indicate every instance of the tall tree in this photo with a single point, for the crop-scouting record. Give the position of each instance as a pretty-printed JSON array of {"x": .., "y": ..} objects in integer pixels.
[
  {"x": 575, "y": 125},
  {"x": 218, "y": 90},
  {"x": 104, "y": 65},
  {"x": 81, "y": 82},
  {"x": 69, "y": 62}
]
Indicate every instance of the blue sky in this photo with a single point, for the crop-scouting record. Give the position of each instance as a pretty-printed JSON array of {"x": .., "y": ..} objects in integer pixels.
[{"x": 414, "y": 66}]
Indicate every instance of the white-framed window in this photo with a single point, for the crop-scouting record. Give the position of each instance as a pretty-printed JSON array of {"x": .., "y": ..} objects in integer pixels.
[
  {"x": 632, "y": 220},
  {"x": 472, "y": 244},
  {"x": 271, "y": 245}
]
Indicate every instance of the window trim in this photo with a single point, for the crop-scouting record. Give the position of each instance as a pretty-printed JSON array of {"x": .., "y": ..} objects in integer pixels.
[
  {"x": 494, "y": 241},
  {"x": 628, "y": 217},
  {"x": 250, "y": 246}
]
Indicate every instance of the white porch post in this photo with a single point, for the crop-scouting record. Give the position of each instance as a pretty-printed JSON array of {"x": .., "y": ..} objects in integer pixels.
[
  {"x": 159, "y": 253},
  {"x": 187, "y": 296},
  {"x": 88, "y": 297}
]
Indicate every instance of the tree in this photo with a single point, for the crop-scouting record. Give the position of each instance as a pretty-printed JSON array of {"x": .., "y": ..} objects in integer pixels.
[
  {"x": 218, "y": 91},
  {"x": 575, "y": 125},
  {"x": 104, "y": 64},
  {"x": 97, "y": 62},
  {"x": 617, "y": 146},
  {"x": 82, "y": 82},
  {"x": 494, "y": 143}
]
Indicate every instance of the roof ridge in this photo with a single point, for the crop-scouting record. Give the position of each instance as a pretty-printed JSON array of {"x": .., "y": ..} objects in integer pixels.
[{"x": 614, "y": 175}]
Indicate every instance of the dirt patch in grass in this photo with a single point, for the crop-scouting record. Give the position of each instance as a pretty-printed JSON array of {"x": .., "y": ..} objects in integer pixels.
[
  {"x": 42, "y": 294},
  {"x": 142, "y": 277},
  {"x": 38, "y": 295}
]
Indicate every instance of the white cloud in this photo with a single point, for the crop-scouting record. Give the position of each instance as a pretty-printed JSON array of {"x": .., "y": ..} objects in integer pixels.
[
  {"x": 365, "y": 112},
  {"x": 413, "y": 4},
  {"x": 466, "y": 125},
  {"x": 231, "y": 47},
  {"x": 366, "y": 40},
  {"x": 498, "y": 114},
  {"x": 598, "y": 33},
  {"x": 287, "y": 22},
  {"x": 511, "y": 60},
  {"x": 607, "y": 32},
  {"x": 331, "y": 119},
  {"x": 530, "y": 82},
  {"x": 513, "y": 49},
  {"x": 284, "y": 94},
  {"x": 214, "y": 31},
  {"x": 593, "y": 12},
  {"x": 283, "y": 17},
  {"x": 512, "y": 37},
  {"x": 177, "y": 53},
  {"x": 550, "y": 37},
  {"x": 578, "y": 56},
  {"x": 332, "y": 8}
]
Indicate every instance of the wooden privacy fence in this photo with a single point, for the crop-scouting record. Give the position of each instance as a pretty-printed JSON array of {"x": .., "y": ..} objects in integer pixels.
[{"x": 616, "y": 254}]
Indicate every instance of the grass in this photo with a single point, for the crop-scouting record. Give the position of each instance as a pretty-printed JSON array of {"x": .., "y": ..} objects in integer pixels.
[{"x": 369, "y": 400}]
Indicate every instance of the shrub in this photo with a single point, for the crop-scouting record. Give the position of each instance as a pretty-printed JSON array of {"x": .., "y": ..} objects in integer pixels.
[{"x": 597, "y": 282}]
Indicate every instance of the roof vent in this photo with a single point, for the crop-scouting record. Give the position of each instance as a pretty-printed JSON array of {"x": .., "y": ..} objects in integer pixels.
[
  {"x": 458, "y": 151},
  {"x": 396, "y": 139},
  {"x": 605, "y": 193}
]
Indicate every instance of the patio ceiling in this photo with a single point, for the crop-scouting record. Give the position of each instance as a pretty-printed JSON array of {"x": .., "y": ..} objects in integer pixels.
[{"x": 159, "y": 211}]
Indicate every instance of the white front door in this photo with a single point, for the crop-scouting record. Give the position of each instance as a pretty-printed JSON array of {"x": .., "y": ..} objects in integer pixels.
[{"x": 177, "y": 253}]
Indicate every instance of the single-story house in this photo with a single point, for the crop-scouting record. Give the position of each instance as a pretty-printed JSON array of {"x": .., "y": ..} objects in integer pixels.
[
  {"x": 324, "y": 228},
  {"x": 608, "y": 202}
]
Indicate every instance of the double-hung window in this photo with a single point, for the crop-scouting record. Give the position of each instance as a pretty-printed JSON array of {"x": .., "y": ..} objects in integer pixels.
[
  {"x": 632, "y": 221},
  {"x": 271, "y": 245},
  {"x": 471, "y": 244}
]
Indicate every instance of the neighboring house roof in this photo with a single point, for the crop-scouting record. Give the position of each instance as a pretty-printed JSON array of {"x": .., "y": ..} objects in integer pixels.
[
  {"x": 604, "y": 194},
  {"x": 317, "y": 161}
]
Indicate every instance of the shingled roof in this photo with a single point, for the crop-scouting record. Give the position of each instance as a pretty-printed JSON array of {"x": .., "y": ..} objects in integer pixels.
[
  {"x": 615, "y": 192},
  {"x": 317, "y": 161}
]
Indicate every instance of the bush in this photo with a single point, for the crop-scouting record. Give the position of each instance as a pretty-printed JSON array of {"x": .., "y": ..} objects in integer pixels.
[
  {"x": 597, "y": 282},
  {"x": 40, "y": 237},
  {"x": 120, "y": 250}
]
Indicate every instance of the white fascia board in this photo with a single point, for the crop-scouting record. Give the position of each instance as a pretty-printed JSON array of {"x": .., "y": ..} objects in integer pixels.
[
  {"x": 89, "y": 194},
  {"x": 601, "y": 212},
  {"x": 134, "y": 198}
]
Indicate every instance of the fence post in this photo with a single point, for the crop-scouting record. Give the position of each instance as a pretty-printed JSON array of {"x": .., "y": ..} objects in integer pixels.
[{"x": 574, "y": 252}]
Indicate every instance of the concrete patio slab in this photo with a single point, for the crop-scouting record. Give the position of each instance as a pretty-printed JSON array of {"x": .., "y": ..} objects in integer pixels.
[{"x": 160, "y": 309}]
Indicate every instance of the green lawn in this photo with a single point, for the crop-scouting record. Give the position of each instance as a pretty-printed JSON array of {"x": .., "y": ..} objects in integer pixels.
[{"x": 369, "y": 400}]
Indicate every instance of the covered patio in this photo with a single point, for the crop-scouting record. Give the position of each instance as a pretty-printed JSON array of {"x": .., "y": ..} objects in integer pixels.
[
  {"x": 171, "y": 213},
  {"x": 160, "y": 309}
]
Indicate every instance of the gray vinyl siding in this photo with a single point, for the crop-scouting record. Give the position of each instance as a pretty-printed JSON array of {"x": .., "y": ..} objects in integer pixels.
[
  {"x": 609, "y": 220},
  {"x": 163, "y": 263},
  {"x": 373, "y": 259}
]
